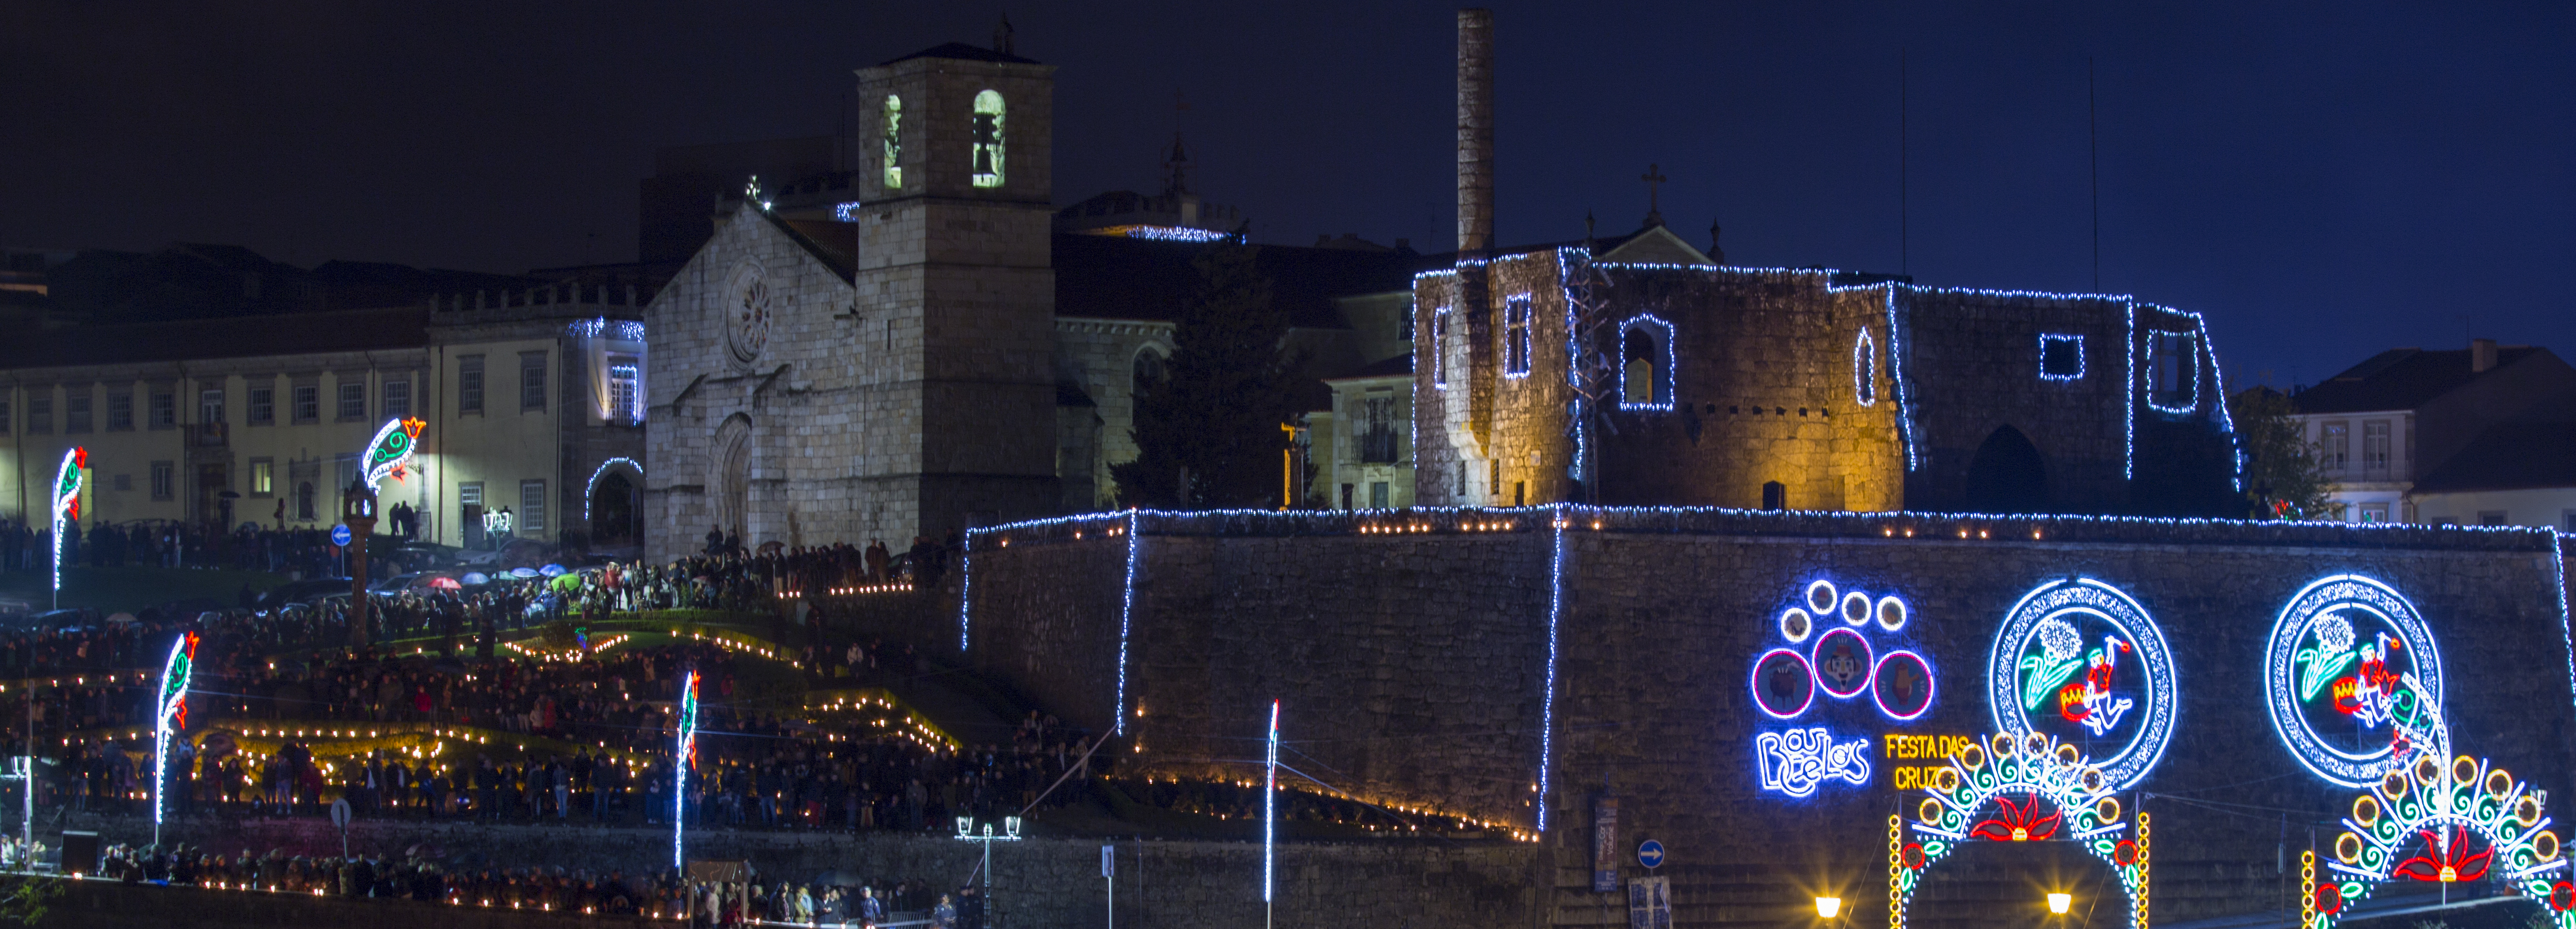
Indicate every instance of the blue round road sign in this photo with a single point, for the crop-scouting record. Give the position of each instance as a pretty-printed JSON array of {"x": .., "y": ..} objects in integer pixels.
[
  {"x": 340, "y": 534},
  {"x": 1651, "y": 854}
]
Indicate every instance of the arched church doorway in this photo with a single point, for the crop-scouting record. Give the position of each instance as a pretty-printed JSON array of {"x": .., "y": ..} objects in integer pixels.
[
  {"x": 615, "y": 519},
  {"x": 2007, "y": 475},
  {"x": 729, "y": 487}
]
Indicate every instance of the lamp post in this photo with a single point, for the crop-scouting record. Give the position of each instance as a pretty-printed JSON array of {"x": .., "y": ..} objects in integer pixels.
[
  {"x": 358, "y": 512},
  {"x": 1827, "y": 908},
  {"x": 966, "y": 833}
]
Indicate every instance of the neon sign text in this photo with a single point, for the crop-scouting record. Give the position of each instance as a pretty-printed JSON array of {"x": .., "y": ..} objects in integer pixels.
[{"x": 1797, "y": 761}]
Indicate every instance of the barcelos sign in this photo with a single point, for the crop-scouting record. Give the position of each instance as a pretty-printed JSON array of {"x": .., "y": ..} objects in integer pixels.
[
  {"x": 2353, "y": 680},
  {"x": 2081, "y": 662},
  {"x": 1835, "y": 648}
]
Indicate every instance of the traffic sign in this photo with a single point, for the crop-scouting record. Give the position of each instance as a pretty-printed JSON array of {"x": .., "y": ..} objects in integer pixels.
[
  {"x": 340, "y": 534},
  {"x": 1651, "y": 854}
]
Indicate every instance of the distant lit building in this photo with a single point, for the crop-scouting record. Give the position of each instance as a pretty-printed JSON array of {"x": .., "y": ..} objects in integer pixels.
[{"x": 2409, "y": 414}]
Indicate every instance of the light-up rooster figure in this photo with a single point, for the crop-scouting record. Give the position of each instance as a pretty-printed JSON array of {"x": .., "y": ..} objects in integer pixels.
[
  {"x": 172, "y": 717},
  {"x": 66, "y": 509}
]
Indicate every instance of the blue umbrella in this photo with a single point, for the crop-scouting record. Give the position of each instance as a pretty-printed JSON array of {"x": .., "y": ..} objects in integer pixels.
[
  {"x": 475, "y": 577},
  {"x": 551, "y": 570},
  {"x": 523, "y": 572}
]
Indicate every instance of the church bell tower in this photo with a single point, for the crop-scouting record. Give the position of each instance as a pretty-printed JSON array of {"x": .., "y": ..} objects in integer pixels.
[{"x": 955, "y": 296}]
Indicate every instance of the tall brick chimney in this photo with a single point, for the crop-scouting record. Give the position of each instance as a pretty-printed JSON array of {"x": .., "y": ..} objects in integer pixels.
[
  {"x": 2482, "y": 355},
  {"x": 1475, "y": 132}
]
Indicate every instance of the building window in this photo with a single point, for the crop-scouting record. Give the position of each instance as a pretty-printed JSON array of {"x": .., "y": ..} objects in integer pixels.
[
  {"x": 1516, "y": 336},
  {"x": 2374, "y": 445},
  {"x": 2373, "y": 512},
  {"x": 988, "y": 139},
  {"x": 120, "y": 411},
  {"x": 397, "y": 398},
  {"x": 625, "y": 389},
  {"x": 40, "y": 411},
  {"x": 165, "y": 410},
  {"x": 2567, "y": 522},
  {"x": 1440, "y": 349},
  {"x": 1148, "y": 371},
  {"x": 345, "y": 468},
  {"x": 1462, "y": 478},
  {"x": 1775, "y": 496},
  {"x": 263, "y": 406},
  {"x": 1865, "y": 369},
  {"x": 304, "y": 501},
  {"x": 1380, "y": 443},
  {"x": 1493, "y": 477},
  {"x": 469, "y": 494},
  {"x": 1378, "y": 495},
  {"x": 308, "y": 403},
  {"x": 893, "y": 148},
  {"x": 2172, "y": 377},
  {"x": 469, "y": 384},
  {"x": 2061, "y": 357},
  {"x": 210, "y": 406},
  {"x": 532, "y": 508},
  {"x": 2334, "y": 446},
  {"x": 532, "y": 381},
  {"x": 76, "y": 409},
  {"x": 263, "y": 477},
  {"x": 2485, "y": 517},
  {"x": 353, "y": 400},
  {"x": 164, "y": 480},
  {"x": 1646, "y": 364}
]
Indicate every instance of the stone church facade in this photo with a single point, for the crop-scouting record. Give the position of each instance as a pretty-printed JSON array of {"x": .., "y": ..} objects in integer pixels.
[{"x": 885, "y": 371}]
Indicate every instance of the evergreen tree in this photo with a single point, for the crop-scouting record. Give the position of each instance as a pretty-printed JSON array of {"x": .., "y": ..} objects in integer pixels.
[
  {"x": 2281, "y": 476},
  {"x": 1213, "y": 420}
]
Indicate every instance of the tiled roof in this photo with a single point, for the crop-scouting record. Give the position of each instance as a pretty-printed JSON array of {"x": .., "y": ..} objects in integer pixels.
[
  {"x": 236, "y": 337},
  {"x": 2509, "y": 456},
  {"x": 836, "y": 244},
  {"x": 2401, "y": 379},
  {"x": 960, "y": 51}
]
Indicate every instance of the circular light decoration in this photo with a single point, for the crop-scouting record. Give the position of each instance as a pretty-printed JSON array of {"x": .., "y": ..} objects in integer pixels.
[
  {"x": 1856, "y": 608},
  {"x": 1902, "y": 685},
  {"x": 1820, "y": 598},
  {"x": 2079, "y": 661},
  {"x": 1891, "y": 614},
  {"x": 2349, "y": 672},
  {"x": 1843, "y": 663},
  {"x": 1795, "y": 624},
  {"x": 1783, "y": 684}
]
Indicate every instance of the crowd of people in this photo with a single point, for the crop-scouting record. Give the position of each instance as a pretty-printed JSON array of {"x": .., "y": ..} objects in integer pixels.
[
  {"x": 702, "y": 902},
  {"x": 171, "y": 544}
]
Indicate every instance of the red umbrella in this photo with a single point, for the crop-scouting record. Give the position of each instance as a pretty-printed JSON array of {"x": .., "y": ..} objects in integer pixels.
[{"x": 445, "y": 583}]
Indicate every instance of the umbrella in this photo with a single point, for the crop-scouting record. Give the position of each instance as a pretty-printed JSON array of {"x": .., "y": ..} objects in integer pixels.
[
  {"x": 476, "y": 577},
  {"x": 523, "y": 573},
  {"x": 445, "y": 583},
  {"x": 551, "y": 570},
  {"x": 120, "y": 617}
]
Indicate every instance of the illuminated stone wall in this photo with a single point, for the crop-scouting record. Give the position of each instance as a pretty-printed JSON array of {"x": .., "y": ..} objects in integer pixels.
[{"x": 1413, "y": 666}]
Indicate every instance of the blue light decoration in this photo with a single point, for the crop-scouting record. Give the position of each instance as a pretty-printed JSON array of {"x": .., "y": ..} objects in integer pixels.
[
  {"x": 2079, "y": 659},
  {"x": 1797, "y": 761},
  {"x": 1666, "y": 378},
  {"x": 1126, "y": 613},
  {"x": 1559, "y": 520},
  {"x": 1841, "y": 662},
  {"x": 2073, "y": 343},
  {"x": 2353, "y": 680},
  {"x": 1440, "y": 348},
  {"x": 624, "y": 330},
  {"x": 2474, "y": 821},
  {"x": 1865, "y": 369},
  {"x": 602, "y": 471},
  {"x": 1270, "y": 805},
  {"x": 1175, "y": 234},
  {"x": 2063, "y": 795},
  {"x": 681, "y": 762},
  {"x": 392, "y": 450},
  {"x": 1897, "y": 673},
  {"x": 848, "y": 211},
  {"x": 170, "y": 713},
  {"x": 67, "y": 487},
  {"x": 1784, "y": 684},
  {"x": 1518, "y": 344}
]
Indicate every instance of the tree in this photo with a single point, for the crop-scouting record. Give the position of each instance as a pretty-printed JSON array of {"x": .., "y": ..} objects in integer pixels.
[
  {"x": 1207, "y": 434},
  {"x": 2281, "y": 476},
  {"x": 23, "y": 899}
]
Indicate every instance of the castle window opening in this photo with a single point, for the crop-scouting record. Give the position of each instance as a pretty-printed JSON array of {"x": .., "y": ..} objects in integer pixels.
[
  {"x": 1865, "y": 369},
  {"x": 1494, "y": 477},
  {"x": 988, "y": 139},
  {"x": 1462, "y": 477},
  {"x": 1775, "y": 496},
  {"x": 1516, "y": 336},
  {"x": 1520, "y": 493},
  {"x": 2061, "y": 357},
  {"x": 2171, "y": 377},
  {"x": 1440, "y": 350},
  {"x": 1646, "y": 364}
]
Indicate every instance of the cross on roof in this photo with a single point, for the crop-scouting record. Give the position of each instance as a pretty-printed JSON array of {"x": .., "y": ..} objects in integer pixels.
[{"x": 1654, "y": 175}]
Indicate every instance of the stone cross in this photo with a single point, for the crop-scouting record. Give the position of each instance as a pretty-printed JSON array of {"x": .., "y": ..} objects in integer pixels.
[{"x": 1653, "y": 176}]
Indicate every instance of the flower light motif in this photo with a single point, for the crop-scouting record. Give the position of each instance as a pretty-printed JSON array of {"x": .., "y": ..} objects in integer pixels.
[
  {"x": 2060, "y": 640},
  {"x": 2446, "y": 858},
  {"x": 2020, "y": 823}
]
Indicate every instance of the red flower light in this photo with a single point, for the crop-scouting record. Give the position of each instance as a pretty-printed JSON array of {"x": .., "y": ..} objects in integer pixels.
[
  {"x": 2448, "y": 862},
  {"x": 2562, "y": 897},
  {"x": 2018, "y": 823},
  {"x": 2126, "y": 853},
  {"x": 1913, "y": 856},
  {"x": 2329, "y": 899}
]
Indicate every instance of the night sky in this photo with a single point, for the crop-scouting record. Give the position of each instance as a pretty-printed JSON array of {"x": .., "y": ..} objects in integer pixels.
[{"x": 2322, "y": 180}]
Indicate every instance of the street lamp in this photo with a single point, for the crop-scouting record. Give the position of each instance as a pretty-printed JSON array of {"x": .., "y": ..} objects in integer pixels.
[
  {"x": 1828, "y": 907},
  {"x": 2059, "y": 903},
  {"x": 966, "y": 833}
]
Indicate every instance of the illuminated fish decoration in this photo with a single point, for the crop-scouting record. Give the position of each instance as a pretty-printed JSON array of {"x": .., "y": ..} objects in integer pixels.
[
  {"x": 67, "y": 484},
  {"x": 391, "y": 450}
]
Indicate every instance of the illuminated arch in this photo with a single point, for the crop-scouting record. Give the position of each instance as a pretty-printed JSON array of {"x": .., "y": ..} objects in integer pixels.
[
  {"x": 2442, "y": 808},
  {"x": 1646, "y": 363},
  {"x": 602, "y": 471},
  {"x": 2076, "y": 793}
]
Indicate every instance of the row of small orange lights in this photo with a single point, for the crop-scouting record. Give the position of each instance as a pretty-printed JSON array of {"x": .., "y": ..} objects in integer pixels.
[
  {"x": 1888, "y": 531},
  {"x": 1112, "y": 532},
  {"x": 723, "y": 642},
  {"x": 889, "y": 587},
  {"x": 572, "y": 655},
  {"x": 1516, "y": 834},
  {"x": 83, "y": 681},
  {"x": 924, "y": 737},
  {"x": 1503, "y": 525}
]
